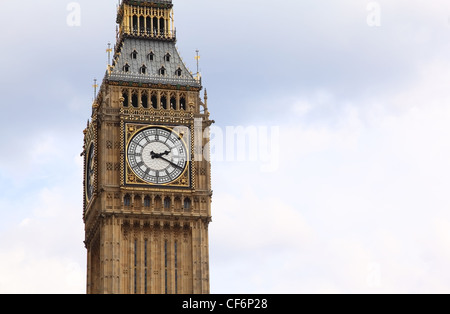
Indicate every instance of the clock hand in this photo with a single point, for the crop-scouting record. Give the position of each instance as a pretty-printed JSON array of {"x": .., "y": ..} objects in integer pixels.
[
  {"x": 155, "y": 155},
  {"x": 173, "y": 164}
]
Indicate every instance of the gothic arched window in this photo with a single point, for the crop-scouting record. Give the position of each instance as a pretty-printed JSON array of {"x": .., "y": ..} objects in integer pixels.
[
  {"x": 127, "y": 200},
  {"x": 187, "y": 203},
  {"x": 162, "y": 26},
  {"x": 134, "y": 100},
  {"x": 144, "y": 100},
  {"x": 164, "y": 102},
  {"x": 148, "y": 21},
  {"x": 167, "y": 203},
  {"x": 147, "y": 201},
  {"x": 154, "y": 101},
  {"x": 183, "y": 103},
  {"x": 155, "y": 26},
  {"x": 135, "y": 24},
  {"x": 142, "y": 24},
  {"x": 173, "y": 103},
  {"x": 125, "y": 98}
]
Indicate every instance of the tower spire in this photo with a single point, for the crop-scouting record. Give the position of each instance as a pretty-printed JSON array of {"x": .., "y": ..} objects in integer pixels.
[
  {"x": 109, "y": 50},
  {"x": 95, "y": 86},
  {"x": 197, "y": 57}
]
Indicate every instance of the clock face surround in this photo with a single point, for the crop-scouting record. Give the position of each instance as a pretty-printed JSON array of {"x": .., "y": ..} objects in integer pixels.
[
  {"x": 157, "y": 155},
  {"x": 90, "y": 173}
]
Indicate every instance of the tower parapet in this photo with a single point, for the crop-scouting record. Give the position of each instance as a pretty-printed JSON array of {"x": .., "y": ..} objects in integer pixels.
[{"x": 146, "y": 19}]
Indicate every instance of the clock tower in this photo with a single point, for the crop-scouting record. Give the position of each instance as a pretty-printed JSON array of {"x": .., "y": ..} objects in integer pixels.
[{"x": 147, "y": 177}]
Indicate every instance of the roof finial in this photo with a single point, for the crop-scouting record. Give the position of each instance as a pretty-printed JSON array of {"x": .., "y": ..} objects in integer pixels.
[
  {"x": 109, "y": 50},
  {"x": 197, "y": 57},
  {"x": 95, "y": 88}
]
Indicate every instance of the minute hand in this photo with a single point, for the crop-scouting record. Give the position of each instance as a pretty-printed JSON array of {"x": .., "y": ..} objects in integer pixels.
[{"x": 173, "y": 164}]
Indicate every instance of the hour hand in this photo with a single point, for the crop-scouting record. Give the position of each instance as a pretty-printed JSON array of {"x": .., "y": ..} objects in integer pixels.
[{"x": 155, "y": 155}]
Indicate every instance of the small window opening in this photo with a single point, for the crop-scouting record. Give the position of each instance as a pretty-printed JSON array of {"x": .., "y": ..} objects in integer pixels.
[
  {"x": 155, "y": 26},
  {"x": 187, "y": 203},
  {"x": 151, "y": 56},
  {"x": 163, "y": 102},
  {"x": 147, "y": 201},
  {"x": 148, "y": 24},
  {"x": 183, "y": 103},
  {"x": 144, "y": 99},
  {"x": 167, "y": 57},
  {"x": 125, "y": 99},
  {"x": 167, "y": 203},
  {"x": 162, "y": 27},
  {"x": 134, "y": 55},
  {"x": 127, "y": 200},
  {"x": 134, "y": 100},
  {"x": 173, "y": 103},
  {"x": 135, "y": 24},
  {"x": 162, "y": 71},
  {"x": 178, "y": 72},
  {"x": 143, "y": 69},
  {"x": 154, "y": 101},
  {"x": 142, "y": 24},
  {"x": 126, "y": 68}
]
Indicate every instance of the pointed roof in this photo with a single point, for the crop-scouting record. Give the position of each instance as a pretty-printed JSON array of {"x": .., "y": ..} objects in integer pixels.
[{"x": 140, "y": 61}]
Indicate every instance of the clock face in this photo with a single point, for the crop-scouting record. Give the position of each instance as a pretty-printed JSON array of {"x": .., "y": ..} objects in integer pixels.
[
  {"x": 90, "y": 173},
  {"x": 157, "y": 155}
]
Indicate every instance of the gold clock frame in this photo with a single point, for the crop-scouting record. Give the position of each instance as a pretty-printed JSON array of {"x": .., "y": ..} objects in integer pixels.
[
  {"x": 90, "y": 146},
  {"x": 90, "y": 139},
  {"x": 131, "y": 179}
]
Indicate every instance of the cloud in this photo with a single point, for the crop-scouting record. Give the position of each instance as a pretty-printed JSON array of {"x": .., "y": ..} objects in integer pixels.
[
  {"x": 25, "y": 274},
  {"x": 255, "y": 223},
  {"x": 44, "y": 253},
  {"x": 367, "y": 185}
]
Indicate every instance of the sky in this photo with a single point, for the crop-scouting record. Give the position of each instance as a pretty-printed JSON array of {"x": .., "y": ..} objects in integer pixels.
[{"x": 341, "y": 187}]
